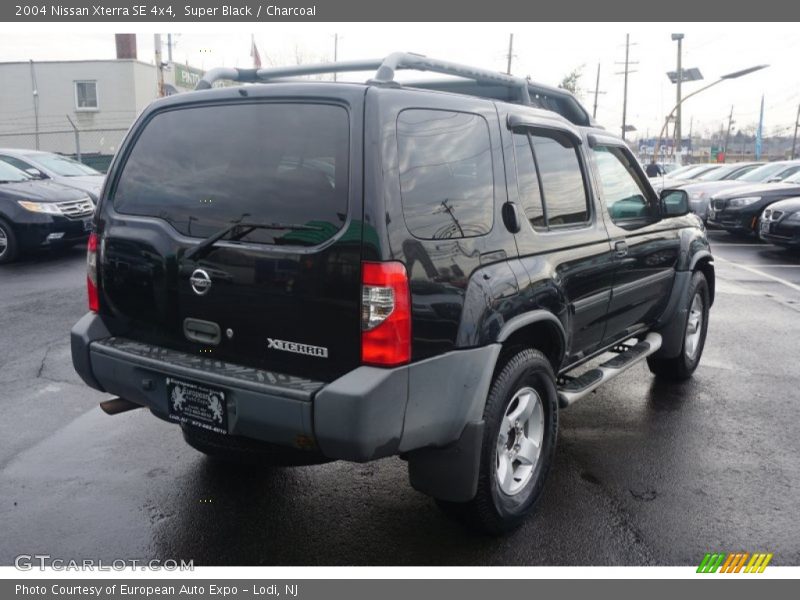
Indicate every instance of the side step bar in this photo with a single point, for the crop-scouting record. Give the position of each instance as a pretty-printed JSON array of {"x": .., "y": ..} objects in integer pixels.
[{"x": 586, "y": 383}]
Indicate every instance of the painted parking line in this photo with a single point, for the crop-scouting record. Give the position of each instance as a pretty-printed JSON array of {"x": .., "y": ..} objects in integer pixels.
[
  {"x": 755, "y": 271},
  {"x": 759, "y": 266}
]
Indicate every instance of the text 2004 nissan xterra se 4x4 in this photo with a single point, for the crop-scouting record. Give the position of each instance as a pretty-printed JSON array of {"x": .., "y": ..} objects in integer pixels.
[{"x": 304, "y": 271}]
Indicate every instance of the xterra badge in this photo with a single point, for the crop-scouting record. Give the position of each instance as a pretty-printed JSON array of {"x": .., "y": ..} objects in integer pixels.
[{"x": 283, "y": 345}]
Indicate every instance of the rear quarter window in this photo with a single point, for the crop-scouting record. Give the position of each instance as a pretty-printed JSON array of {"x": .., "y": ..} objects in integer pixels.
[
  {"x": 446, "y": 179},
  {"x": 202, "y": 168}
]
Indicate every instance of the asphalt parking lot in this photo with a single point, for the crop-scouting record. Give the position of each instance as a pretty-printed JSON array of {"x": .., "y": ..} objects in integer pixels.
[{"x": 646, "y": 473}]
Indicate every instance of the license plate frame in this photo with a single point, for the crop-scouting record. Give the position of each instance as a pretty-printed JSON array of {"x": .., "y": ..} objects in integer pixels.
[
  {"x": 198, "y": 405},
  {"x": 87, "y": 224}
]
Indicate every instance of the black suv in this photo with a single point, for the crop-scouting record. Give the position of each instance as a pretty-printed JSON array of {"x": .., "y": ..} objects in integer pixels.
[{"x": 305, "y": 271}]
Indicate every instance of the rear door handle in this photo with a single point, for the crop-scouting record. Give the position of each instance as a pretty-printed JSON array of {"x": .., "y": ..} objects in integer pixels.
[
  {"x": 202, "y": 332},
  {"x": 621, "y": 249}
]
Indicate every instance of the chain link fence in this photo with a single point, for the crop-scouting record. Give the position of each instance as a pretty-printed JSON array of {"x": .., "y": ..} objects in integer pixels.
[{"x": 94, "y": 147}]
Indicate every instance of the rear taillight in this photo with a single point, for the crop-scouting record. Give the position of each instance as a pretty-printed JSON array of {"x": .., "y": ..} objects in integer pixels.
[
  {"x": 91, "y": 273},
  {"x": 385, "y": 314}
]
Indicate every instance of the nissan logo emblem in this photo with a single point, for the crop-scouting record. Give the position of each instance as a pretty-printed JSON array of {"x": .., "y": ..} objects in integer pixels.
[{"x": 200, "y": 281}]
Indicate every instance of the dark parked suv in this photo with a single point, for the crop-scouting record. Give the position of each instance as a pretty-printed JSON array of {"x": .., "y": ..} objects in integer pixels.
[{"x": 305, "y": 271}]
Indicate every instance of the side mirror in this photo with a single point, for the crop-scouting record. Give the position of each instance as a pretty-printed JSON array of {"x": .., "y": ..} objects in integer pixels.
[
  {"x": 36, "y": 173},
  {"x": 674, "y": 203},
  {"x": 511, "y": 217}
]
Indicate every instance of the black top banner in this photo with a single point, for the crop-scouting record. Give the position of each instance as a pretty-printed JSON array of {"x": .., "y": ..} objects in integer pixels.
[{"x": 143, "y": 11}]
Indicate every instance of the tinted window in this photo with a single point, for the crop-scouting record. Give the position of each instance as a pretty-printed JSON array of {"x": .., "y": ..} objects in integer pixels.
[
  {"x": 625, "y": 195},
  {"x": 565, "y": 196},
  {"x": 527, "y": 181},
  {"x": 446, "y": 181},
  {"x": 203, "y": 168}
]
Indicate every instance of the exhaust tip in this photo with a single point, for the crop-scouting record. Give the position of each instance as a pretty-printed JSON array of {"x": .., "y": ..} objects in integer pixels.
[{"x": 116, "y": 406}]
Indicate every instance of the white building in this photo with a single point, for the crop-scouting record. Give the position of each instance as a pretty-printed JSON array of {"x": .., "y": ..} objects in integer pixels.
[{"x": 44, "y": 102}]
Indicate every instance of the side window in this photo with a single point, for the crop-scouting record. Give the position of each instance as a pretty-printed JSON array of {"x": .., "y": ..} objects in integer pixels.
[
  {"x": 551, "y": 185},
  {"x": 446, "y": 180},
  {"x": 565, "y": 197},
  {"x": 625, "y": 195},
  {"x": 530, "y": 194}
]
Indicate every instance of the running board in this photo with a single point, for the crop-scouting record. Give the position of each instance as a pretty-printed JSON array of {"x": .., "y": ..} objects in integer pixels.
[{"x": 587, "y": 382}]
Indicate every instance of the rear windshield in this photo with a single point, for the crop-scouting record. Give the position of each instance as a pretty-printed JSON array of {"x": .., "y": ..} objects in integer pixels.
[{"x": 203, "y": 168}]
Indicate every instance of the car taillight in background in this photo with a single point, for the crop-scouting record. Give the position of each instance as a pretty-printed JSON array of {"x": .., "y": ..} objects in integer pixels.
[
  {"x": 385, "y": 314},
  {"x": 91, "y": 273}
]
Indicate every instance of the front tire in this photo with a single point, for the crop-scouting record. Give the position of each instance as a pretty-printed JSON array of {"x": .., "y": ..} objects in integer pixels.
[
  {"x": 8, "y": 243},
  {"x": 519, "y": 441},
  {"x": 683, "y": 366}
]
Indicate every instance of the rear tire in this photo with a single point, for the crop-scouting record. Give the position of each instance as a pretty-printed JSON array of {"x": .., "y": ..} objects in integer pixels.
[
  {"x": 8, "y": 243},
  {"x": 241, "y": 450},
  {"x": 521, "y": 410},
  {"x": 683, "y": 366}
]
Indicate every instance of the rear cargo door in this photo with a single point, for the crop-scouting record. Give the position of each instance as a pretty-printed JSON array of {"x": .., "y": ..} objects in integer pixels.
[{"x": 282, "y": 295}]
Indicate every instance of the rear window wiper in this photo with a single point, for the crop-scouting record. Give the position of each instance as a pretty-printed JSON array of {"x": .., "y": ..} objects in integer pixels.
[{"x": 238, "y": 231}]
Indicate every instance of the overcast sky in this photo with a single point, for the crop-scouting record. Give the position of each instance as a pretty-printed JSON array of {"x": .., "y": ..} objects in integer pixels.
[{"x": 545, "y": 51}]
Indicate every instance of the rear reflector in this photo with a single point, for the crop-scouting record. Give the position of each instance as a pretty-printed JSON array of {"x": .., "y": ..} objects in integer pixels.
[
  {"x": 385, "y": 314},
  {"x": 91, "y": 273}
]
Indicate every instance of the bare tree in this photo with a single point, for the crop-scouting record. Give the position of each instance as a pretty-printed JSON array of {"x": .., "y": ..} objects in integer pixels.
[
  {"x": 571, "y": 81},
  {"x": 298, "y": 55}
]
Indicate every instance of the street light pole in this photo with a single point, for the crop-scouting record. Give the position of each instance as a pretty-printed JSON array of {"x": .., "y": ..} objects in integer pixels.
[
  {"x": 679, "y": 38},
  {"x": 734, "y": 75},
  {"x": 794, "y": 139}
]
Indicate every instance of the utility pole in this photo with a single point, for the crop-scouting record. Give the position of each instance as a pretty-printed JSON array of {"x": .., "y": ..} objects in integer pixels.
[
  {"x": 794, "y": 139},
  {"x": 169, "y": 48},
  {"x": 626, "y": 72},
  {"x": 510, "y": 52},
  {"x": 335, "y": 51},
  {"x": 678, "y": 37},
  {"x": 596, "y": 91},
  {"x": 159, "y": 65},
  {"x": 727, "y": 137}
]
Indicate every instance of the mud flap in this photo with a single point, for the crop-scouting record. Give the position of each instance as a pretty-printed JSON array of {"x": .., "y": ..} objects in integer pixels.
[{"x": 449, "y": 473}]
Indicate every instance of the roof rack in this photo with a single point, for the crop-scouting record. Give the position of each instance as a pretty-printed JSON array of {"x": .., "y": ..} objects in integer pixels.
[
  {"x": 386, "y": 68},
  {"x": 523, "y": 91}
]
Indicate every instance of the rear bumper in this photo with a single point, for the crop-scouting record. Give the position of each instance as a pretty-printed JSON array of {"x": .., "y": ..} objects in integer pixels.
[{"x": 366, "y": 414}]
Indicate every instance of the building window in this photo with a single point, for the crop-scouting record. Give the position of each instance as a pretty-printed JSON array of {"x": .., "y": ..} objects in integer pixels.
[{"x": 86, "y": 95}]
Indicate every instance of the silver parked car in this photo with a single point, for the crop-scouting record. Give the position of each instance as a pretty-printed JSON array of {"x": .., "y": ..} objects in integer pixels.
[
  {"x": 700, "y": 192},
  {"x": 59, "y": 168}
]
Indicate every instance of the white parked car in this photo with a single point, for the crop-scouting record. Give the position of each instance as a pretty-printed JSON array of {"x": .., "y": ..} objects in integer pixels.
[{"x": 59, "y": 168}]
